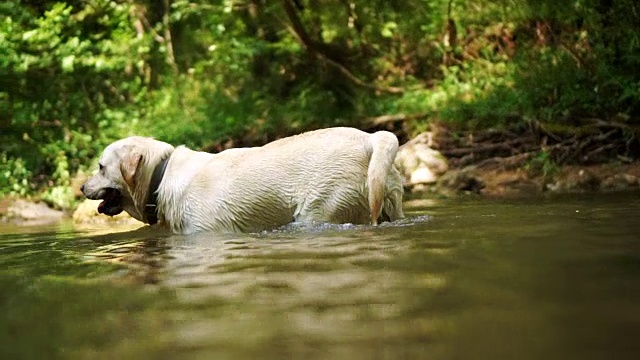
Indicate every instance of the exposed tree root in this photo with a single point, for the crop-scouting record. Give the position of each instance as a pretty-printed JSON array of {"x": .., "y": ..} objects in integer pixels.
[{"x": 591, "y": 142}]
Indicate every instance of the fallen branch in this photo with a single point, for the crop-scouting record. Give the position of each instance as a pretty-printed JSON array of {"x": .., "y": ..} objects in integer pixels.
[
  {"x": 483, "y": 147},
  {"x": 509, "y": 162},
  {"x": 384, "y": 119},
  {"x": 594, "y": 142},
  {"x": 300, "y": 33}
]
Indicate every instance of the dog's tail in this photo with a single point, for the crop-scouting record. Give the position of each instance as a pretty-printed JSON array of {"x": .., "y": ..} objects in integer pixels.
[{"x": 384, "y": 146}]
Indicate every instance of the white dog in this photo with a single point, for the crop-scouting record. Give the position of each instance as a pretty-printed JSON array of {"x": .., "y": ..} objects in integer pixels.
[{"x": 337, "y": 175}]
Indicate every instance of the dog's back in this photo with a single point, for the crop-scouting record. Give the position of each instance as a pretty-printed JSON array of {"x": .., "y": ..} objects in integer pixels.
[
  {"x": 357, "y": 180},
  {"x": 339, "y": 175}
]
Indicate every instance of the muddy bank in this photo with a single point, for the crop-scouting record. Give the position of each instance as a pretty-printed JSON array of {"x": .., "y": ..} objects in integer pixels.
[{"x": 520, "y": 182}]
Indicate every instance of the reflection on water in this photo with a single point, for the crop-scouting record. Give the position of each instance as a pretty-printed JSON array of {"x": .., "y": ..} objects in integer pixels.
[{"x": 472, "y": 278}]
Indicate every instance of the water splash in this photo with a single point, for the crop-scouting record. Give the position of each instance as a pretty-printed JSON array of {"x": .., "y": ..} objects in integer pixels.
[{"x": 299, "y": 227}]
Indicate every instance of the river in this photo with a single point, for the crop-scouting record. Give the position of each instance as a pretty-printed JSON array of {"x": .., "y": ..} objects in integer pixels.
[{"x": 471, "y": 278}]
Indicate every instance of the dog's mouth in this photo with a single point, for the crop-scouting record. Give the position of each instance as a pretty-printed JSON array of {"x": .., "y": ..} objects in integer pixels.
[{"x": 111, "y": 202}]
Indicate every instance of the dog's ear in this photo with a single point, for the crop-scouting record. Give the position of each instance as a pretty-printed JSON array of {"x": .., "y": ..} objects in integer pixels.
[{"x": 129, "y": 168}]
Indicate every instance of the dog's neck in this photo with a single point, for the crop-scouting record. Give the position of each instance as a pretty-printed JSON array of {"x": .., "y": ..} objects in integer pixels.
[{"x": 151, "y": 205}]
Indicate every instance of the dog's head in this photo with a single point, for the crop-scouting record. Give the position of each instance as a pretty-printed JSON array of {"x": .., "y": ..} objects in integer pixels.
[{"x": 125, "y": 170}]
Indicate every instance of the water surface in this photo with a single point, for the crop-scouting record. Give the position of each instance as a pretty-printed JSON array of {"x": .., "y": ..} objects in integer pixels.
[{"x": 552, "y": 278}]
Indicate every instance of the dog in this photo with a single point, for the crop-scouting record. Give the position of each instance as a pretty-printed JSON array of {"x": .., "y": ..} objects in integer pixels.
[{"x": 334, "y": 175}]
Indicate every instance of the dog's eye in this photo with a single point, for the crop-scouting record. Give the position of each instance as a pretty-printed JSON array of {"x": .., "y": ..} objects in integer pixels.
[{"x": 100, "y": 166}]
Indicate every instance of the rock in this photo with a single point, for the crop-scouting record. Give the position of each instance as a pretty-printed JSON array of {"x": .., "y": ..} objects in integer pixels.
[
  {"x": 460, "y": 181},
  {"x": 508, "y": 182},
  {"x": 620, "y": 182},
  {"x": 23, "y": 212},
  {"x": 422, "y": 175},
  {"x": 420, "y": 164},
  {"x": 576, "y": 181},
  {"x": 87, "y": 213}
]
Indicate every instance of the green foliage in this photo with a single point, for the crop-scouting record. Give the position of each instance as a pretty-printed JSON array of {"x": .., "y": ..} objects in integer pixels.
[
  {"x": 67, "y": 68},
  {"x": 76, "y": 75},
  {"x": 14, "y": 176},
  {"x": 542, "y": 164},
  {"x": 60, "y": 196}
]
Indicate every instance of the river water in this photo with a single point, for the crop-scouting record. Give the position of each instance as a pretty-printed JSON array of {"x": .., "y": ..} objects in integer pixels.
[{"x": 472, "y": 278}]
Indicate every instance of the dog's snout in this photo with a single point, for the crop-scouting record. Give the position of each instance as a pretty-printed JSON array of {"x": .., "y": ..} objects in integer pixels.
[{"x": 82, "y": 188}]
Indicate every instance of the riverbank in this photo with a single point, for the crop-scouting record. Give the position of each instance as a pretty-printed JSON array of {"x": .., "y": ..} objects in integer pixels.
[
  {"x": 526, "y": 158},
  {"x": 501, "y": 182},
  {"x": 21, "y": 211}
]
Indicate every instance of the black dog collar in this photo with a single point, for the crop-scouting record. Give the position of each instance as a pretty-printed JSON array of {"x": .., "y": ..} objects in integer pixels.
[{"x": 151, "y": 207}]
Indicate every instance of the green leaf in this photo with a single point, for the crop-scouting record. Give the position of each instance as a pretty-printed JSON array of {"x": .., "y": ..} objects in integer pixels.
[
  {"x": 67, "y": 63},
  {"x": 388, "y": 29}
]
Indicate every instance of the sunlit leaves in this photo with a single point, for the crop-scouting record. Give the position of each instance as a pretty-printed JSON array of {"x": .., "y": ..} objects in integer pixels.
[{"x": 388, "y": 29}]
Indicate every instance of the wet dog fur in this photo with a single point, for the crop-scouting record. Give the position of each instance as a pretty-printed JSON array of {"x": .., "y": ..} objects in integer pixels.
[{"x": 336, "y": 175}]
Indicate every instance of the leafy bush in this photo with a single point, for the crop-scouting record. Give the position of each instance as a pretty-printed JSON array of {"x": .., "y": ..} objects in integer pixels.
[{"x": 14, "y": 176}]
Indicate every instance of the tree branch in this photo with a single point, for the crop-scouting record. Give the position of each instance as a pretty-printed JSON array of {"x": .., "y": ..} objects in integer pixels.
[
  {"x": 300, "y": 33},
  {"x": 171, "y": 59}
]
